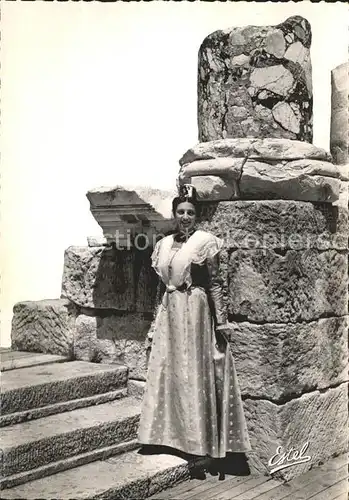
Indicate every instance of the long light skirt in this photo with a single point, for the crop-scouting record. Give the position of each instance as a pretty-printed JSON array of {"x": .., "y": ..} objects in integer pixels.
[{"x": 192, "y": 399}]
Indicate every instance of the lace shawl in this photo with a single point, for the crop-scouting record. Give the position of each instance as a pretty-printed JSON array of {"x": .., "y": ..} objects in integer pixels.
[{"x": 199, "y": 247}]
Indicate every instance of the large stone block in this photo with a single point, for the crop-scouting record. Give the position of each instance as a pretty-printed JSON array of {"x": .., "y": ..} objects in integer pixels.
[
  {"x": 113, "y": 339},
  {"x": 317, "y": 418},
  {"x": 107, "y": 278},
  {"x": 271, "y": 149},
  {"x": 237, "y": 178},
  {"x": 214, "y": 179},
  {"x": 277, "y": 224},
  {"x": 43, "y": 442},
  {"x": 256, "y": 81},
  {"x": 339, "y": 141},
  {"x": 212, "y": 187},
  {"x": 276, "y": 361},
  {"x": 291, "y": 286},
  {"x": 35, "y": 387},
  {"x": 44, "y": 326},
  {"x": 264, "y": 181}
]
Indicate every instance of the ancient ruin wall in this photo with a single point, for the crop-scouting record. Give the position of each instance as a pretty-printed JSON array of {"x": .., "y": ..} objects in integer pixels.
[{"x": 278, "y": 203}]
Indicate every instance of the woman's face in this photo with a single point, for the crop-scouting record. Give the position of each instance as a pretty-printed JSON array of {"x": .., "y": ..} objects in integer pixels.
[{"x": 185, "y": 216}]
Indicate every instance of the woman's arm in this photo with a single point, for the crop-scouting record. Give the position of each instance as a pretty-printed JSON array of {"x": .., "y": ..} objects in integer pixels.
[
  {"x": 222, "y": 327},
  {"x": 160, "y": 290},
  {"x": 215, "y": 290}
]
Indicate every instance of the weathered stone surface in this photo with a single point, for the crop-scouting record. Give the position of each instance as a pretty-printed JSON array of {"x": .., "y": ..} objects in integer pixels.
[
  {"x": 113, "y": 339},
  {"x": 68, "y": 463},
  {"x": 44, "y": 385},
  {"x": 129, "y": 475},
  {"x": 255, "y": 81},
  {"x": 314, "y": 167},
  {"x": 35, "y": 444},
  {"x": 20, "y": 359},
  {"x": 319, "y": 418},
  {"x": 107, "y": 278},
  {"x": 44, "y": 326},
  {"x": 214, "y": 179},
  {"x": 339, "y": 141},
  {"x": 97, "y": 241},
  {"x": 124, "y": 212},
  {"x": 291, "y": 286},
  {"x": 277, "y": 224},
  {"x": 229, "y": 167},
  {"x": 344, "y": 172},
  {"x": 229, "y": 178},
  {"x": 276, "y": 361},
  {"x": 272, "y": 149},
  {"x": 133, "y": 196},
  {"x": 211, "y": 187},
  {"x": 136, "y": 388},
  {"x": 263, "y": 181},
  {"x": 64, "y": 406}
]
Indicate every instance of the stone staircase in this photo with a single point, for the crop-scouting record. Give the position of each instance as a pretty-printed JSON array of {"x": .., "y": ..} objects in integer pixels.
[{"x": 69, "y": 430}]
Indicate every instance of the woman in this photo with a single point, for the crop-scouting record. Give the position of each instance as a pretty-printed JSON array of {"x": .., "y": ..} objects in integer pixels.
[{"x": 192, "y": 400}]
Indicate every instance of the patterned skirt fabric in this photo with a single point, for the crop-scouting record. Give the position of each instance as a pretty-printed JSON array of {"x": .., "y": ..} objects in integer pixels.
[{"x": 192, "y": 399}]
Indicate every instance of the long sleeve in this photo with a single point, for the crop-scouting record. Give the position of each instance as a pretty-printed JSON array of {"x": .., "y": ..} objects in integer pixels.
[
  {"x": 215, "y": 290},
  {"x": 158, "y": 300}
]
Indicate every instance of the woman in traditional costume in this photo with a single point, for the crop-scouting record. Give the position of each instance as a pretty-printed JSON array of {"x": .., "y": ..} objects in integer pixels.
[{"x": 192, "y": 400}]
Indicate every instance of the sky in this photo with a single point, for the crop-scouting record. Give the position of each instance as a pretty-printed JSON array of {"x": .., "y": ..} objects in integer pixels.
[{"x": 104, "y": 94}]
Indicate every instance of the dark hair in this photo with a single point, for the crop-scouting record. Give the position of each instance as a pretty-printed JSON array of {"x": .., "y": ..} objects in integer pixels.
[
  {"x": 179, "y": 199},
  {"x": 187, "y": 194}
]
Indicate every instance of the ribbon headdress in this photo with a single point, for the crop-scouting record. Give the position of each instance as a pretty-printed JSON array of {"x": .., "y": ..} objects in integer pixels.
[{"x": 187, "y": 191}]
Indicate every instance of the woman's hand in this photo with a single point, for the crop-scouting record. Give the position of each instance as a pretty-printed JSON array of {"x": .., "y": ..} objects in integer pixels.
[{"x": 226, "y": 330}]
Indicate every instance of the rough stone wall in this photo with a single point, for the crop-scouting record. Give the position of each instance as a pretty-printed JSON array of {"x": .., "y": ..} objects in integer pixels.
[
  {"x": 107, "y": 278},
  {"x": 285, "y": 274},
  {"x": 115, "y": 291},
  {"x": 255, "y": 81},
  {"x": 339, "y": 133},
  {"x": 104, "y": 314},
  {"x": 59, "y": 326},
  {"x": 280, "y": 206}
]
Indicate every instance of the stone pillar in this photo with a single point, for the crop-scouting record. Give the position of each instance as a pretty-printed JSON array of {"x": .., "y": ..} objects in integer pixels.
[
  {"x": 339, "y": 114},
  {"x": 340, "y": 129},
  {"x": 255, "y": 81},
  {"x": 276, "y": 201}
]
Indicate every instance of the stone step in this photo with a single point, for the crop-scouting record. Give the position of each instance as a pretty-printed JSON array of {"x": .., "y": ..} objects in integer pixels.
[
  {"x": 29, "y": 445},
  {"x": 43, "y": 385},
  {"x": 126, "y": 476},
  {"x": 12, "y": 360},
  {"x": 74, "y": 404},
  {"x": 68, "y": 463},
  {"x": 136, "y": 388}
]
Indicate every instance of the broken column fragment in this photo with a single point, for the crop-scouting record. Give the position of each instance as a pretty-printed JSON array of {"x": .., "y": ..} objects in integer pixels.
[{"x": 255, "y": 81}]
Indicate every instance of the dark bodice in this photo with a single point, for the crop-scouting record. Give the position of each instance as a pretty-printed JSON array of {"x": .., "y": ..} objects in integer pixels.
[
  {"x": 206, "y": 277},
  {"x": 200, "y": 276}
]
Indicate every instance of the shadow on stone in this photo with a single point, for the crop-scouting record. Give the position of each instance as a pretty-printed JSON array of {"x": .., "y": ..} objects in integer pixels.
[{"x": 234, "y": 464}]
